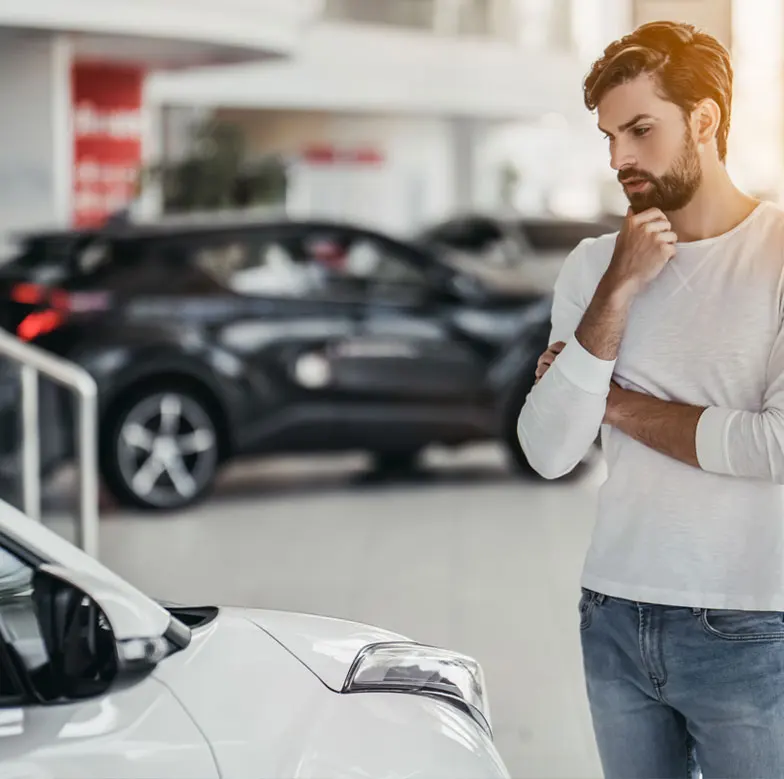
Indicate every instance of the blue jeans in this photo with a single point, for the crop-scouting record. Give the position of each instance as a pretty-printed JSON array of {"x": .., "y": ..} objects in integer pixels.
[{"x": 673, "y": 690}]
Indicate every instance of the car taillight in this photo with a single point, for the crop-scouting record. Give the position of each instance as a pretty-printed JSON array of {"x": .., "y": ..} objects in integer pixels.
[
  {"x": 28, "y": 294},
  {"x": 61, "y": 304},
  {"x": 38, "y": 323}
]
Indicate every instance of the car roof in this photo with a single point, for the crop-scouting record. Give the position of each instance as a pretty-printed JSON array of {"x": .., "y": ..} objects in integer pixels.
[{"x": 197, "y": 225}]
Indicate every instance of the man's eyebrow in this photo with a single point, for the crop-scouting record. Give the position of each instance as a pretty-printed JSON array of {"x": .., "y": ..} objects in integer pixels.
[{"x": 628, "y": 125}]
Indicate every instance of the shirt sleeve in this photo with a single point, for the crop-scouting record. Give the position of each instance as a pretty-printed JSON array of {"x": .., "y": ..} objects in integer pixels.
[
  {"x": 563, "y": 413},
  {"x": 748, "y": 444}
]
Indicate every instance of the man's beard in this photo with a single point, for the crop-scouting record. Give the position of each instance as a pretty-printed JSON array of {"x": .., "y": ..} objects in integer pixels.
[{"x": 672, "y": 191}]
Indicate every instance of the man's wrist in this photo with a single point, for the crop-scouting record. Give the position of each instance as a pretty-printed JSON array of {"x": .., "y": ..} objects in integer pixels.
[
  {"x": 602, "y": 326},
  {"x": 616, "y": 291}
]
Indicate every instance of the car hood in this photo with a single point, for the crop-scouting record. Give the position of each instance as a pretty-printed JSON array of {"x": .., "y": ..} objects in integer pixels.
[
  {"x": 260, "y": 687},
  {"x": 324, "y": 645}
]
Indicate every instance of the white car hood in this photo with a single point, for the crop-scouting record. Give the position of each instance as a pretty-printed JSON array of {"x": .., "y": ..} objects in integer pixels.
[
  {"x": 325, "y": 645},
  {"x": 261, "y": 685}
]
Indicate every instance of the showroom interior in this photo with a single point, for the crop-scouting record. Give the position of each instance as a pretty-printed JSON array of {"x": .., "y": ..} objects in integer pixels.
[{"x": 181, "y": 400}]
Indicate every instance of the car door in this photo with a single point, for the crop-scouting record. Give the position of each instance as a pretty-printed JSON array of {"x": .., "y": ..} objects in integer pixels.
[
  {"x": 138, "y": 732},
  {"x": 407, "y": 350},
  {"x": 295, "y": 311},
  {"x": 292, "y": 305}
]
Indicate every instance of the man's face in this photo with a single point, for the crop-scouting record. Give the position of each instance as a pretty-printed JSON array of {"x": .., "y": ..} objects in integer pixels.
[{"x": 651, "y": 146}]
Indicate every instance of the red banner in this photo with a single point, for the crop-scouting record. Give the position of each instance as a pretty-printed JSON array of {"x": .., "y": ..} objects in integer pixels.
[{"x": 107, "y": 133}]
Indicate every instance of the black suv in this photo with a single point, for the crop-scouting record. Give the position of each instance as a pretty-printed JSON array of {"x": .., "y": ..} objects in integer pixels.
[{"x": 224, "y": 339}]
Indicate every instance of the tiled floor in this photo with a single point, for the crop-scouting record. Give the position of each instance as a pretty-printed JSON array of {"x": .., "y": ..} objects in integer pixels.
[{"x": 465, "y": 557}]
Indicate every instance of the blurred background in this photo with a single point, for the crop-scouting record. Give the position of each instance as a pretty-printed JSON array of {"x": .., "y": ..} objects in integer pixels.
[{"x": 306, "y": 250}]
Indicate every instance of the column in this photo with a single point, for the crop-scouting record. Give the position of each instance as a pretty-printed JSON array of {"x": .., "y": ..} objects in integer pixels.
[{"x": 35, "y": 134}]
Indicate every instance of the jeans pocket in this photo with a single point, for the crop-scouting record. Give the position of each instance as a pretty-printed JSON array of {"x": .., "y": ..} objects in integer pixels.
[
  {"x": 732, "y": 625},
  {"x": 587, "y": 602}
]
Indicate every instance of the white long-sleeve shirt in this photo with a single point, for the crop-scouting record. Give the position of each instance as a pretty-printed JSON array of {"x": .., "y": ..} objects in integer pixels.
[{"x": 708, "y": 331}]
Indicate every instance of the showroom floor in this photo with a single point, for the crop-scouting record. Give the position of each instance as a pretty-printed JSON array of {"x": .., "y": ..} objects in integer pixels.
[{"x": 463, "y": 556}]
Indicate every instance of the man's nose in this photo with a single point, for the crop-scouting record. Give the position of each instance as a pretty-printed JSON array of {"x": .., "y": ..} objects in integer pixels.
[{"x": 621, "y": 157}]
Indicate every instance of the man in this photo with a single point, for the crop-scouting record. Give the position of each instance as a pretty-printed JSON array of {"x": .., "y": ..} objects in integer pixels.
[{"x": 668, "y": 337}]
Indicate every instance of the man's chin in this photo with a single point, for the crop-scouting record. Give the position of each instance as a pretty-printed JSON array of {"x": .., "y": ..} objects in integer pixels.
[{"x": 642, "y": 202}]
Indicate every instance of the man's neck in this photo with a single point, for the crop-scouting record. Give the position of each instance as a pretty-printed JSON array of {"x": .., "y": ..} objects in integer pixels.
[{"x": 717, "y": 207}]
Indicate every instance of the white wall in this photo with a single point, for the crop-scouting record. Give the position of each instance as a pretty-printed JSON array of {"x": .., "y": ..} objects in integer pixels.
[
  {"x": 35, "y": 137},
  {"x": 415, "y": 184}
]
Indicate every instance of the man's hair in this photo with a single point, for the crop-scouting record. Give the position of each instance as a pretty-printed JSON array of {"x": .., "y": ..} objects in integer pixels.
[{"x": 688, "y": 65}]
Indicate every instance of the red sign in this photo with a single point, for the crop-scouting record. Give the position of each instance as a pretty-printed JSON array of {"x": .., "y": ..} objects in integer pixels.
[
  {"x": 107, "y": 132},
  {"x": 327, "y": 154}
]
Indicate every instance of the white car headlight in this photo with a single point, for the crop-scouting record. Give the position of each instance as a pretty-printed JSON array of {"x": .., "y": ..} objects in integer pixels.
[{"x": 422, "y": 670}]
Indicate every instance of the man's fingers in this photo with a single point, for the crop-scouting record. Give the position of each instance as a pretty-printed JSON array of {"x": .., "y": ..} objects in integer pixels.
[
  {"x": 650, "y": 215},
  {"x": 547, "y": 358},
  {"x": 657, "y": 226},
  {"x": 667, "y": 237}
]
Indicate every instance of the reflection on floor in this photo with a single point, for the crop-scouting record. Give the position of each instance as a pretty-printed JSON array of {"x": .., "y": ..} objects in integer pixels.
[{"x": 463, "y": 555}]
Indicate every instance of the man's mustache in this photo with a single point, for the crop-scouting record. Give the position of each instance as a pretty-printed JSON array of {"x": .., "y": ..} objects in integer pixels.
[{"x": 631, "y": 174}]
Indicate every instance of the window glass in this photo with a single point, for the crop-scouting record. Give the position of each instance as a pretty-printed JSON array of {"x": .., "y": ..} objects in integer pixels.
[
  {"x": 314, "y": 263},
  {"x": 23, "y": 644}
]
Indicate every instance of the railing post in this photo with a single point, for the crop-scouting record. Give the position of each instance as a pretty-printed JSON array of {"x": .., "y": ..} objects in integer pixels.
[
  {"x": 88, "y": 472},
  {"x": 33, "y": 362},
  {"x": 31, "y": 446}
]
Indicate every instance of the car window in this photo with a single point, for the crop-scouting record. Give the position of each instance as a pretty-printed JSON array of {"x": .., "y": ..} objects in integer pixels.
[
  {"x": 382, "y": 262},
  {"x": 333, "y": 264},
  {"x": 23, "y": 648},
  {"x": 254, "y": 265}
]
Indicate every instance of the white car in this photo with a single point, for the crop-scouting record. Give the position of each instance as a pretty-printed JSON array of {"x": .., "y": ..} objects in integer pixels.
[{"x": 97, "y": 680}]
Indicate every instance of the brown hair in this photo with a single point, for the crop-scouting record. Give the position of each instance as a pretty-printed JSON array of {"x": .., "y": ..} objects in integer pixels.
[{"x": 688, "y": 65}]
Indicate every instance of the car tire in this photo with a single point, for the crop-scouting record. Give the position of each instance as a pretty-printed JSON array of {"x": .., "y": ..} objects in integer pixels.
[{"x": 160, "y": 448}]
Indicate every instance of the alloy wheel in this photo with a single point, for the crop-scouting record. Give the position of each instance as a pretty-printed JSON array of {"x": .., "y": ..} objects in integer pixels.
[{"x": 167, "y": 449}]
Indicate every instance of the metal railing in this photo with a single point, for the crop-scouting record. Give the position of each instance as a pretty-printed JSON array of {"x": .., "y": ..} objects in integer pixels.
[{"x": 34, "y": 361}]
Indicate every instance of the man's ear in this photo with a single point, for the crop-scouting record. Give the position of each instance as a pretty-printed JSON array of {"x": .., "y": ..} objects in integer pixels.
[{"x": 705, "y": 120}]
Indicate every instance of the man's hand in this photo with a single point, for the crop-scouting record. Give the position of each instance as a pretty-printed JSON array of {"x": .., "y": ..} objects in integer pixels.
[
  {"x": 645, "y": 244},
  {"x": 615, "y": 400},
  {"x": 643, "y": 247},
  {"x": 547, "y": 358}
]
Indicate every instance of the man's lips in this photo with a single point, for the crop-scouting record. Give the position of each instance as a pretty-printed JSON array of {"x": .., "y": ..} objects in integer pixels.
[{"x": 635, "y": 185}]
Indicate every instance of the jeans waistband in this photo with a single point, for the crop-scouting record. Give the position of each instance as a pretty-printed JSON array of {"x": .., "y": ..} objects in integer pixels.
[{"x": 599, "y": 598}]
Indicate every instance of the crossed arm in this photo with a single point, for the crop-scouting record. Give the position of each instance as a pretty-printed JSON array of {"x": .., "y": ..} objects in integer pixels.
[
  {"x": 668, "y": 427},
  {"x": 564, "y": 411}
]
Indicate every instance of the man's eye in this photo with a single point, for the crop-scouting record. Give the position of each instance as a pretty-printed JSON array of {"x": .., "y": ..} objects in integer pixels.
[{"x": 641, "y": 132}]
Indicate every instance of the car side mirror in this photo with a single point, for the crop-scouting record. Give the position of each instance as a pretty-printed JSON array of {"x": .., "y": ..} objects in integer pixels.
[
  {"x": 78, "y": 641},
  {"x": 77, "y": 626}
]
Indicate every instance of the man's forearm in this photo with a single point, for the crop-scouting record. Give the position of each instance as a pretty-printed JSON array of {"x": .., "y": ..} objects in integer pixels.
[
  {"x": 603, "y": 324},
  {"x": 666, "y": 426}
]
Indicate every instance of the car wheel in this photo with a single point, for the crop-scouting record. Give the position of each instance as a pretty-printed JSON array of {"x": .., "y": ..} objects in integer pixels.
[{"x": 160, "y": 450}]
